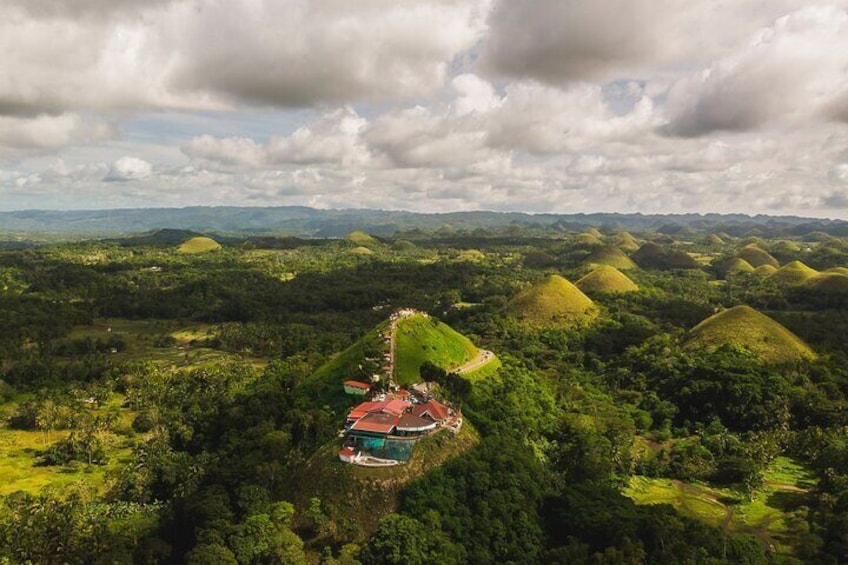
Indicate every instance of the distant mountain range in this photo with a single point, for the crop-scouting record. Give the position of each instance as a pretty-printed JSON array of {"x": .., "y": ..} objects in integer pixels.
[{"x": 309, "y": 222}]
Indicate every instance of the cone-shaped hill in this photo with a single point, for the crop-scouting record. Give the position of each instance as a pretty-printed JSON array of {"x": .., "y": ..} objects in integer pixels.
[
  {"x": 199, "y": 245},
  {"x": 649, "y": 255},
  {"x": 736, "y": 265},
  {"x": 587, "y": 240},
  {"x": 838, "y": 270},
  {"x": 828, "y": 284},
  {"x": 793, "y": 273},
  {"x": 551, "y": 302},
  {"x": 745, "y": 327},
  {"x": 757, "y": 257},
  {"x": 606, "y": 279},
  {"x": 360, "y": 238},
  {"x": 681, "y": 260},
  {"x": 713, "y": 239},
  {"x": 361, "y": 251},
  {"x": 596, "y": 232},
  {"x": 610, "y": 256},
  {"x": 626, "y": 242},
  {"x": 418, "y": 338},
  {"x": 765, "y": 270}
]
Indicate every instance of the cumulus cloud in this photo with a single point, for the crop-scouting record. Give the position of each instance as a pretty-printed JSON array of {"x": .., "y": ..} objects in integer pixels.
[
  {"x": 206, "y": 54},
  {"x": 794, "y": 71},
  {"x": 559, "y": 41},
  {"x": 129, "y": 169}
]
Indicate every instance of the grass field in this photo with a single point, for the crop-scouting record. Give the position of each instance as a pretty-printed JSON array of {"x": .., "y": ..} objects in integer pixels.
[
  {"x": 763, "y": 514},
  {"x": 188, "y": 350},
  {"x": 20, "y": 454},
  {"x": 421, "y": 339}
]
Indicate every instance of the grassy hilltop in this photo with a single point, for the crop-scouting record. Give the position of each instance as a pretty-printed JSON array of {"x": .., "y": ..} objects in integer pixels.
[
  {"x": 555, "y": 300},
  {"x": 745, "y": 327}
]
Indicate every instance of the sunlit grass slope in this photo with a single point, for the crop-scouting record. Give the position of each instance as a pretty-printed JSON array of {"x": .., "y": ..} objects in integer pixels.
[
  {"x": 745, "y": 327},
  {"x": 611, "y": 256},
  {"x": 552, "y": 301},
  {"x": 606, "y": 279},
  {"x": 757, "y": 257},
  {"x": 793, "y": 273},
  {"x": 199, "y": 244},
  {"x": 420, "y": 339}
]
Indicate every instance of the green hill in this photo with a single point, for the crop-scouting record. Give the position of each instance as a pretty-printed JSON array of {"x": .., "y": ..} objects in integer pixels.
[
  {"x": 680, "y": 260},
  {"x": 828, "y": 283},
  {"x": 649, "y": 255},
  {"x": 793, "y": 273},
  {"x": 606, "y": 279},
  {"x": 626, "y": 242},
  {"x": 360, "y": 238},
  {"x": 610, "y": 256},
  {"x": 361, "y": 251},
  {"x": 765, "y": 270},
  {"x": 595, "y": 232},
  {"x": 736, "y": 265},
  {"x": 199, "y": 245},
  {"x": 713, "y": 239},
  {"x": 552, "y": 301},
  {"x": 838, "y": 270},
  {"x": 743, "y": 326},
  {"x": 419, "y": 338},
  {"x": 587, "y": 240},
  {"x": 361, "y": 496},
  {"x": 324, "y": 386},
  {"x": 422, "y": 338},
  {"x": 757, "y": 257}
]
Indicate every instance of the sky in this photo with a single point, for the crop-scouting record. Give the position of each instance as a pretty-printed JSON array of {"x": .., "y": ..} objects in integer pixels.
[{"x": 652, "y": 106}]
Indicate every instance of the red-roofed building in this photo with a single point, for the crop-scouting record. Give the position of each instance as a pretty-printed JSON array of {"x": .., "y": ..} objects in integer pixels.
[
  {"x": 375, "y": 423},
  {"x": 356, "y": 388},
  {"x": 411, "y": 425},
  {"x": 392, "y": 406},
  {"x": 433, "y": 410},
  {"x": 347, "y": 455}
]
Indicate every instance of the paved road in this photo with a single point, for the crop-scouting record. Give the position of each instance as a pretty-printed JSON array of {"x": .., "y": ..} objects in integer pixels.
[{"x": 482, "y": 358}]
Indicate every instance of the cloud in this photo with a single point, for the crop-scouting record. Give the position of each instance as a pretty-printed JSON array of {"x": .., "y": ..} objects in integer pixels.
[
  {"x": 792, "y": 72},
  {"x": 561, "y": 41},
  {"x": 214, "y": 54},
  {"x": 129, "y": 169}
]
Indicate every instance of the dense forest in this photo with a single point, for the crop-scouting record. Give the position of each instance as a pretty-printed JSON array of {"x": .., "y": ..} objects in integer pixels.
[{"x": 658, "y": 397}]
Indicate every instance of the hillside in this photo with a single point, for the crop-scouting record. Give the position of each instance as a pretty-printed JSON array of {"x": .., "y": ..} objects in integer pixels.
[
  {"x": 736, "y": 265},
  {"x": 606, "y": 279},
  {"x": 422, "y": 338},
  {"x": 649, "y": 255},
  {"x": 324, "y": 386},
  {"x": 829, "y": 283},
  {"x": 611, "y": 256},
  {"x": 552, "y": 301},
  {"x": 199, "y": 244},
  {"x": 419, "y": 338},
  {"x": 793, "y": 273},
  {"x": 360, "y": 496},
  {"x": 765, "y": 270},
  {"x": 360, "y": 238},
  {"x": 745, "y": 327},
  {"x": 757, "y": 257}
]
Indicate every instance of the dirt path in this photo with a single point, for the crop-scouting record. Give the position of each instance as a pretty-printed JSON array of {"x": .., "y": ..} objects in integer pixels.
[{"x": 483, "y": 358}]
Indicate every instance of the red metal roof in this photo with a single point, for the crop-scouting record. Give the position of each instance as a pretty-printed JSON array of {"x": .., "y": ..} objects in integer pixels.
[
  {"x": 396, "y": 406},
  {"x": 357, "y": 384},
  {"x": 364, "y": 409},
  {"x": 435, "y": 410},
  {"x": 412, "y": 423},
  {"x": 347, "y": 452},
  {"x": 376, "y": 423}
]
